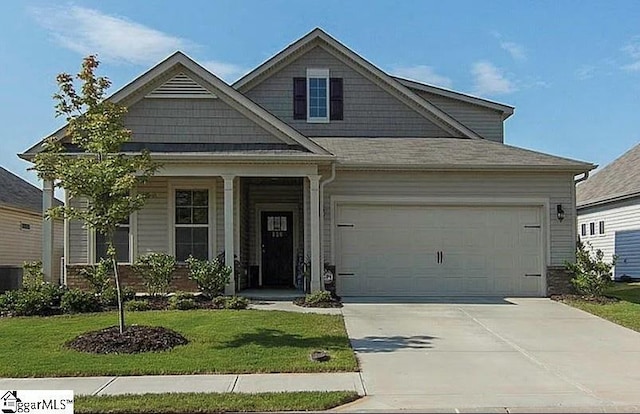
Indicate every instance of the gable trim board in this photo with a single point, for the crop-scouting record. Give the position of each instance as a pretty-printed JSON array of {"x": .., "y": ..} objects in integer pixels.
[
  {"x": 506, "y": 110},
  {"x": 318, "y": 37},
  {"x": 179, "y": 62}
]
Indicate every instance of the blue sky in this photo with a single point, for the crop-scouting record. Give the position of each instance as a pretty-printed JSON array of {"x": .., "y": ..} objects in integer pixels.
[{"x": 571, "y": 68}]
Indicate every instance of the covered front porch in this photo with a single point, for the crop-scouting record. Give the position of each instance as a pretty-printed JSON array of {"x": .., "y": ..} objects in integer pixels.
[{"x": 262, "y": 218}]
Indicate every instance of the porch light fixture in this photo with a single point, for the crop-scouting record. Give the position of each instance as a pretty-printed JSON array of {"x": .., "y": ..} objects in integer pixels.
[{"x": 560, "y": 212}]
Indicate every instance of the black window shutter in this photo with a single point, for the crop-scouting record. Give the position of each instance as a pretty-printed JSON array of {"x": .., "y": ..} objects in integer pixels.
[
  {"x": 336, "y": 105},
  {"x": 299, "y": 98}
]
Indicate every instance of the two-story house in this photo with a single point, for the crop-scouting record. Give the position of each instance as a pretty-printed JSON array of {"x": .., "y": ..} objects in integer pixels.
[{"x": 317, "y": 155}]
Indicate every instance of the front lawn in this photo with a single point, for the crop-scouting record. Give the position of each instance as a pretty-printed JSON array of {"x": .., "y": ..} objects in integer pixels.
[
  {"x": 223, "y": 341},
  {"x": 626, "y": 312},
  {"x": 213, "y": 403}
]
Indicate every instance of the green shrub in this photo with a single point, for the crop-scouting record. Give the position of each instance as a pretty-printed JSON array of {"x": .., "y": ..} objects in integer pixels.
[
  {"x": 137, "y": 306},
  {"x": 230, "y": 302},
  {"x": 156, "y": 270},
  {"x": 321, "y": 296},
  {"x": 32, "y": 276},
  {"x": 43, "y": 301},
  {"x": 211, "y": 276},
  {"x": 78, "y": 301},
  {"x": 236, "y": 303},
  {"x": 99, "y": 276},
  {"x": 179, "y": 303},
  {"x": 591, "y": 275},
  {"x": 219, "y": 302},
  {"x": 183, "y": 295},
  {"x": 109, "y": 296}
]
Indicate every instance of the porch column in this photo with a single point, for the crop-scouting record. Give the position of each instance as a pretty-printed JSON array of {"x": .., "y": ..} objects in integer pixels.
[
  {"x": 47, "y": 231},
  {"x": 229, "y": 244},
  {"x": 314, "y": 207}
]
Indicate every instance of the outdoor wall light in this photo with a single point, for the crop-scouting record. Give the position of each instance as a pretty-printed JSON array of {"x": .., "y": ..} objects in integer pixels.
[{"x": 560, "y": 212}]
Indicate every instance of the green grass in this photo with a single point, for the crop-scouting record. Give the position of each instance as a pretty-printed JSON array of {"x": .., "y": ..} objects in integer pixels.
[
  {"x": 213, "y": 403},
  {"x": 249, "y": 341},
  {"x": 626, "y": 312}
]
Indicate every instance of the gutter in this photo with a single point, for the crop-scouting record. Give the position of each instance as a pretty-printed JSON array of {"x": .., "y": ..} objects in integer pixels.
[
  {"x": 321, "y": 197},
  {"x": 585, "y": 175}
]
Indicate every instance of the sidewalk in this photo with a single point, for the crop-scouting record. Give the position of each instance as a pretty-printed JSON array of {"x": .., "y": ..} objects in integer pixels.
[{"x": 156, "y": 384}]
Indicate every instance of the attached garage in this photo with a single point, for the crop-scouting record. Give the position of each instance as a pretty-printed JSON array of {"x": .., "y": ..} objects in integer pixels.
[{"x": 439, "y": 250}]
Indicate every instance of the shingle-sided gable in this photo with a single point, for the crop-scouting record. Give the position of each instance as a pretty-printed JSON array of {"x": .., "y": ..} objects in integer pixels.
[
  {"x": 369, "y": 110},
  {"x": 318, "y": 37},
  {"x": 226, "y": 116}
]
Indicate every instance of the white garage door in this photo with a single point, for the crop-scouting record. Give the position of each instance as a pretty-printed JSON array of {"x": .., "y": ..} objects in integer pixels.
[{"x": 385, "y": 250}]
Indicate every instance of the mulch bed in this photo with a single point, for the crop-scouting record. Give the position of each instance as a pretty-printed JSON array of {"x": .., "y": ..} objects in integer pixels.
[
  {"x": 134, "y": 340},
  {"x": 601, "y": 300},
  {"x": 328, "y": 304}
]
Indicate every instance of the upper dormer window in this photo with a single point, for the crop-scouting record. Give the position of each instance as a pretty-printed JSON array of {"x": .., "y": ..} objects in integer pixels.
[{"x": 318, "y": 97}]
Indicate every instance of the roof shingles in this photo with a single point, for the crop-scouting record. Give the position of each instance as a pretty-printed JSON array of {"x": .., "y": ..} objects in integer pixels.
[
  {"x": 621, "y": 178},
  {"x": 442, "y": 153},
  {"x": 16, "y": 192}
]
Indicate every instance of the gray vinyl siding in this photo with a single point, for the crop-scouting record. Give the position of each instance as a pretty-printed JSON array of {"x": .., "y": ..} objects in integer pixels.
[
  {"x": 557, "y": 188},
  {"x": 78, "y": 236},
  {"x": 623, "y": 216},
  {"x": 485, "y": 122},
  {"x": 153, "y": 218},
  {"x": 192, "y": 121},
  {"x": 369, "y": 111}
]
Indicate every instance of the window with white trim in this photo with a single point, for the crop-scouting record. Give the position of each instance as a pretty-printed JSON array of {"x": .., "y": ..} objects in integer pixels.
[
  {"x": 318, "y": 95},
  {"x": 191, "y": 224},
  {"x": 592, "y": 229},
  {"x": 583, "y": 229},
  {"x": 120, "y": 242},
  {"x": 601, "y": 227}
]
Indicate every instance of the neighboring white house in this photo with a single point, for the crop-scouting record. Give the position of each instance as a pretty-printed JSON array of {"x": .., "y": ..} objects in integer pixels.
[
  {"x": 21, "y": 229},
  {"x": 608, "y": 206}
]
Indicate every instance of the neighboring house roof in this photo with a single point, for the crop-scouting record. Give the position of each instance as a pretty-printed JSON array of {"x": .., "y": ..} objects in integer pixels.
[
  {"x": 506, "y": 110},
  {"x": 132, "y": 93},
  {"x": 18, "y": 193},
  {"x": 442, "y": 154},
  {"x": 318, "y": 37},
  {"x": 618, "y": 180}
]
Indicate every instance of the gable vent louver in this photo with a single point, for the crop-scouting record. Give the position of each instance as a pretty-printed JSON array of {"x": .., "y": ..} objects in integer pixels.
[{"x": 181, "y": 86}]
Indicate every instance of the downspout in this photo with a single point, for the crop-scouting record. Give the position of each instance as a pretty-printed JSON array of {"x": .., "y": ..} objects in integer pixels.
[{"x": 321, "y": 197}]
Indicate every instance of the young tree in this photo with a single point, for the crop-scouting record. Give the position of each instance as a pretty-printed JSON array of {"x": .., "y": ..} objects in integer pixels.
[{"x": 93, "y": 166}]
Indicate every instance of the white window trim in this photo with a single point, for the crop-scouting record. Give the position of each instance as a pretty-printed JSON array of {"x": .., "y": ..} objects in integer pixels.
[
  {"x": 315, "y": 74},
  {"x": 210, "y": 185}
]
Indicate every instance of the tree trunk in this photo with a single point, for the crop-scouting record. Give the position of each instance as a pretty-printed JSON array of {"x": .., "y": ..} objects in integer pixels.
[{"x": 114, "y": 259}]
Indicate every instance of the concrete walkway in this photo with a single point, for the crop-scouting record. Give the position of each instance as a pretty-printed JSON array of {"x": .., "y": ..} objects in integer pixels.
[{"x": 156, "y": 384}]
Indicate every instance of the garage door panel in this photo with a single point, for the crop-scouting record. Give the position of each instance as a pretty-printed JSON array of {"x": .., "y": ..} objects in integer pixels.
[{"x": 392, "y": 250}]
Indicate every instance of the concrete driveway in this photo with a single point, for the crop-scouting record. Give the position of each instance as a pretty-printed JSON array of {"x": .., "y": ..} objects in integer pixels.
[{"x": 491, "y": 354}]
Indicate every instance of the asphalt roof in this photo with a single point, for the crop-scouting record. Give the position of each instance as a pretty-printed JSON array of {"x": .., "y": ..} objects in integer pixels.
[
  {"x": 619, "y": 179},
  {"x": 18, "y": 193},
  {"x": 442, "y": 153}
]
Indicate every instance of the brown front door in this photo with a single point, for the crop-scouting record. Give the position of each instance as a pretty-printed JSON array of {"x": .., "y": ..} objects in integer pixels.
[{"x": 277, "y": 248}]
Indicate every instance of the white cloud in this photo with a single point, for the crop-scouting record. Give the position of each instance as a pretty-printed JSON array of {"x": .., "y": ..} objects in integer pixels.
[
  {"x": 585, "y": 72},
  {"x": 516, "y": 51},
  {"x": 490, "y": 80},
  {"x": 422, "y": 73},
  {"x": 230, "y": 72},
  {"x": 632, "y": 50}
]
